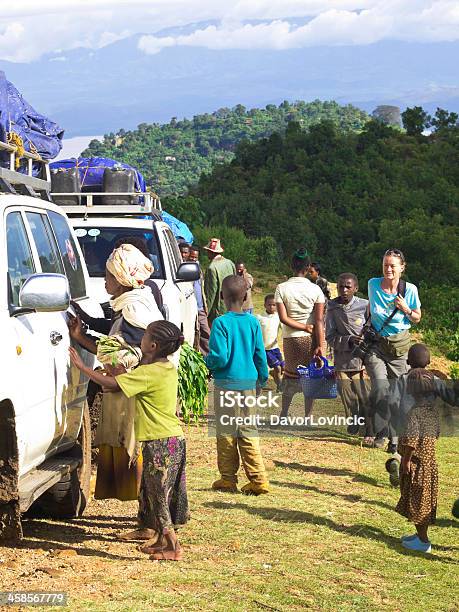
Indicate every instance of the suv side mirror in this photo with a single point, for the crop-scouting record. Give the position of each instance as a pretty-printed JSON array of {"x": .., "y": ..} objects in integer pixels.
[
  {"x": 44, "y": 293},
  {"x": 188, "y": 272}
]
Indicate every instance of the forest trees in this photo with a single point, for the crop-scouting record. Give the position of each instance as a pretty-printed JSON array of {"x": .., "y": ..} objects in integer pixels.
[
  {"x": 416, "y": 120},
  {"x": 173, "y": 156},
  {"x": 346, "y": 196}
]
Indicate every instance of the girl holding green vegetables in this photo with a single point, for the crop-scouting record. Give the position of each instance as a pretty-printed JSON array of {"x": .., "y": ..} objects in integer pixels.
[
  {"x": 119, "y": 461},
  {"x": 154, "y": 385}
]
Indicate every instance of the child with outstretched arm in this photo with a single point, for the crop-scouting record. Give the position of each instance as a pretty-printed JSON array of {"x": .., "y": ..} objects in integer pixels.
[
  {"x": 237, "y": 360},
  {"x": 163, "y": 497},
  {"x": 401, "y": 401}
]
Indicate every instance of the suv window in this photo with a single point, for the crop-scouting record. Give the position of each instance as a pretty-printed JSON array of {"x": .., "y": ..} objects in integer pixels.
[
  {"x": 174, "y": 248},
  {"x": 97, "y": 243},
  {"x": 48, "y": 252},
  {"x": 70, "y": 255},
  {"x": 20, "y": 261},
  {"x": 173, "y": 254}
]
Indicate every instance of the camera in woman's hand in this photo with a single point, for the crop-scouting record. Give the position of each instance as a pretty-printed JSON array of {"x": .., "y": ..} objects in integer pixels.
[{"x": 362, "y": 345}]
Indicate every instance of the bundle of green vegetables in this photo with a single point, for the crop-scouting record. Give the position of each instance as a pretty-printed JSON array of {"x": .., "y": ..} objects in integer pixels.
[
  {"x": 192, "y": 383},
  {"x": 113, "y": 350}
]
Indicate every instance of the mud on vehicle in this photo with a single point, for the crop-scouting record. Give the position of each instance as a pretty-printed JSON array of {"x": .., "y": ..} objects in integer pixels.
[{"x": 45, "y": 439}]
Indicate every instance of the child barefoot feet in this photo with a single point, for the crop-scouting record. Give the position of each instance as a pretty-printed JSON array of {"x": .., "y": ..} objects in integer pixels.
[
  {"x": 167, "y": 548},
  {"x": 138, "y": 534}
]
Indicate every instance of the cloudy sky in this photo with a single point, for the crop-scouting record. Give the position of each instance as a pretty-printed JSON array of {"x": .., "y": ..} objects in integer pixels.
[{"x": 29, "y": 29}]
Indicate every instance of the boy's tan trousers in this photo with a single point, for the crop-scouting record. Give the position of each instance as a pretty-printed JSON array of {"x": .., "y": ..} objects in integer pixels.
[
  {"x": 238, "y": 444},
  {"x": 354, "y": 390}
]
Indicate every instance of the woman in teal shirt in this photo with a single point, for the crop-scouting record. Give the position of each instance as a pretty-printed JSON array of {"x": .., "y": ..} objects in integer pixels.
[{"x": 387, "y": 359}]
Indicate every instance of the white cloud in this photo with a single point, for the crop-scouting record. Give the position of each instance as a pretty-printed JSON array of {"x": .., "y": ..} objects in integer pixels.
[
  {"x": 151, "y": 45},
  {"x": 29, "y": 29},
  {"x": 11, "y": 35},
  {"x": 402, "y": 20}
]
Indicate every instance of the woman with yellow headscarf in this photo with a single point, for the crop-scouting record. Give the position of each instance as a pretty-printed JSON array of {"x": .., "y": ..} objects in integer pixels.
[{"x": 134, "y": 308}]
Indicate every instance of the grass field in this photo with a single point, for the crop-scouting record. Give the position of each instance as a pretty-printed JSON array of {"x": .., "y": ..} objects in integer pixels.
[{"x": 325, "y": 538}]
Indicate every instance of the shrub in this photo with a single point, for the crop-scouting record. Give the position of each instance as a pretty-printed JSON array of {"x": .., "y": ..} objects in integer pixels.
[
  {"x": 440, "y": 318},
  {"x": 254, "y": 252}
]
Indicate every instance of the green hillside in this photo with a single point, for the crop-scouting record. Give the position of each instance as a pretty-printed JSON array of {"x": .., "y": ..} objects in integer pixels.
[
  {"x": 172, "y": 156},
  {"x": 347, "y": 197}
]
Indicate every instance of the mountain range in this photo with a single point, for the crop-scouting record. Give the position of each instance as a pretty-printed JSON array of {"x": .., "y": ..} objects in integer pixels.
[{"x": 119, "y": 86}]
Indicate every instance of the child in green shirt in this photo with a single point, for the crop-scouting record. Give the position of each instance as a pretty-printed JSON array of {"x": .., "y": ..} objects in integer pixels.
[{"x": 163, "y": 501}]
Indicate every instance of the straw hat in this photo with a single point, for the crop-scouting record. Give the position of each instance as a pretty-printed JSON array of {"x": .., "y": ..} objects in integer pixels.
[{"x": 214, "y": 246}]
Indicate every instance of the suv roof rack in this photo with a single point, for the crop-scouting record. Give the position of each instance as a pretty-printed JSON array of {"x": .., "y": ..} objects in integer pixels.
[
  {"x": 151, "y": 203},
  {"x": 12, "y": 181},
  {"x": 127, "y": 210}
]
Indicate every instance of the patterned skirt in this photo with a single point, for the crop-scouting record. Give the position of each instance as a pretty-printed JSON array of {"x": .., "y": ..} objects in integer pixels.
[
  {"x": 163, "y": 501},
  {"x": 419, "y": 492},
  {"x": 297, "y": 351}
]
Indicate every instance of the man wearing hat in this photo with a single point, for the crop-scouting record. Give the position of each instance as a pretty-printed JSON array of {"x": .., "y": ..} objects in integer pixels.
[{"x": 219, "y": 268}]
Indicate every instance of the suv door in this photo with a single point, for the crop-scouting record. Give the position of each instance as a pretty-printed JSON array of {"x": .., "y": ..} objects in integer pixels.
[
  {"x": 39, "y": 426},
  {"x": 71, "y": 383},
  {"x": 184, "y": 291}
]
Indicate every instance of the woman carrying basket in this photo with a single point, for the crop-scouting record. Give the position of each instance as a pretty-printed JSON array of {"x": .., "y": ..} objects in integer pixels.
[
  {"x": 394, "y": 306},
  {"x": 300, "y": 305}
]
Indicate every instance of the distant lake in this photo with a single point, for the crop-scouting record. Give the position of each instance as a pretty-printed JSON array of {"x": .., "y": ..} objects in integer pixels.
[{"x": 72, "y": 147}]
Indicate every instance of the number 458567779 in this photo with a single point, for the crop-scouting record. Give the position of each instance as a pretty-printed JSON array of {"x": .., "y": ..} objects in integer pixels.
[{"x": 33, "y": 598}]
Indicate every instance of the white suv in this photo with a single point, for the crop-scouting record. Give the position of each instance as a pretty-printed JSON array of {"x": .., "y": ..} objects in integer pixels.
[{"x": 45, "y": 438}]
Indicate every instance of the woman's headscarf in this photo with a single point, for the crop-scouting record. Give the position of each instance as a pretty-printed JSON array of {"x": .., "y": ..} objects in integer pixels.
[{"x": 129, "y": 266}]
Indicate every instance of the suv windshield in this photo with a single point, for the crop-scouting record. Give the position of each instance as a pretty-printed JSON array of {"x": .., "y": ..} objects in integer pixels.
[{"x": 98, "y": 242}]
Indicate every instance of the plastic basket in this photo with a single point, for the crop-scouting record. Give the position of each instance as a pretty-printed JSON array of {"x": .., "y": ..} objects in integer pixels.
[{"x": 318, "y": 382}]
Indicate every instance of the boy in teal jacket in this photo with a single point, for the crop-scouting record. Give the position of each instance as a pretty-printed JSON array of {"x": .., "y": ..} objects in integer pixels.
[{"x": 237, "y": 360}]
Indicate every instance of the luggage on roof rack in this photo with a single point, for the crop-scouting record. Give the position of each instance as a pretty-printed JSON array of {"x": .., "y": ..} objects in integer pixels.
[
  {"x": 109, "y": 188},
  {"x": 119, "y": 180},
  {"x": 99, "y": 180},
  {"x": 91, "y": 171},
  {"x": 26, "y": 129},
  {"x": 65, "y": 181}
]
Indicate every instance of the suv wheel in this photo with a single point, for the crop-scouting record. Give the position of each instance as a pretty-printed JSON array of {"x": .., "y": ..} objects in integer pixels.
[{"x": 68, "y": 497}]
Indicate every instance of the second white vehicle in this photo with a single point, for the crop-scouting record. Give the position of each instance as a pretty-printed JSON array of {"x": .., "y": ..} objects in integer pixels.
[{"x": 100, "y": 227}]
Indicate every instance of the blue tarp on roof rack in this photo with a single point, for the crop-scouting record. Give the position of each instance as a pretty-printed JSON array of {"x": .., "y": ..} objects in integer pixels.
[
  {"x": 39, "y": 134},
  {"x": 179, "y": 228},
  {"x": 91, "y": 171}
]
